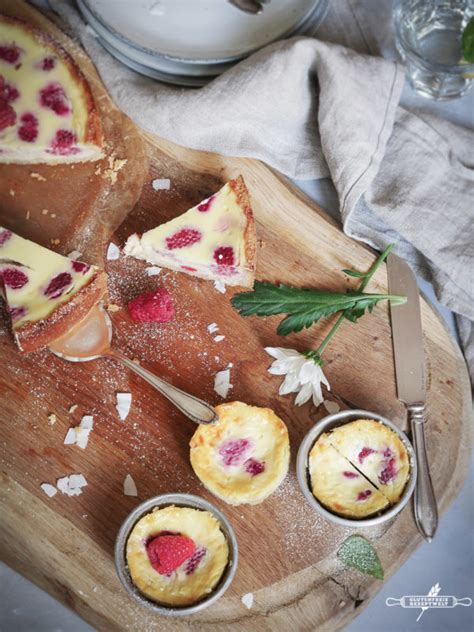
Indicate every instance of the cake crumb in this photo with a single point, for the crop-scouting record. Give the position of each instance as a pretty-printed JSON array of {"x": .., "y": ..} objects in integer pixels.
[
  {"x": 51, "y": 419},
  {"x": 53, "y": 215},
  {"x": 49, "y": 489},
  {"x": 129, "y": 486},
  {"x": 72, "y": 408},
  {"x": 55, "y": 242},
  {"x": 12, "y": 192},
  {"x": 247, "y": 600},
  {"x": 113, "y": 307},
  {"x": 37, "y": 176},
  {"x": 27, "y": 216},
  {"x": 161, "y": 184},
  {"x": 44, "y": 211},
  {"x": 74, "y": 254}
]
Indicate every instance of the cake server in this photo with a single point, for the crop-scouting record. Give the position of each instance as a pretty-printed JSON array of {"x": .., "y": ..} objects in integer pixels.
[
  {"x": 407, "y": 338},
  {"x": 91, "y": 339}
]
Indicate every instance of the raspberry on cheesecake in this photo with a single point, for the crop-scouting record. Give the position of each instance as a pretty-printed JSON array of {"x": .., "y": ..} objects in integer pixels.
[
  {"x": 45, "y": 292},
  {"x": 214, "y": 240},
  {"x": 47, "y": 112}
]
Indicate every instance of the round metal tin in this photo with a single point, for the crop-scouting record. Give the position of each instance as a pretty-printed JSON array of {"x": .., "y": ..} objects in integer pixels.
[
  {"x": 180, "y": 500},
  {"x": 333, "y": 421}
]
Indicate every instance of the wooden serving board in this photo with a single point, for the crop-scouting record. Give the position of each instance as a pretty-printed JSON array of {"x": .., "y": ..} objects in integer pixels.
[{"x": 287, "y": 552}]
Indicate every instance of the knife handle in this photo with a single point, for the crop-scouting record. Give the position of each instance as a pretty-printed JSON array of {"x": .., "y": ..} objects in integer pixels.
[{"x": 426, "y": 510}]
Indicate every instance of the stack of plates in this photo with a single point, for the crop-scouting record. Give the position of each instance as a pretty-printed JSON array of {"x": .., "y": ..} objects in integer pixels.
[{"x": 188, "y": 42}]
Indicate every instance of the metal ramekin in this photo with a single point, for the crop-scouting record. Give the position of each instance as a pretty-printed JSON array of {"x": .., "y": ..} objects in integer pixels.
[
  {"x": 339, "y": 419},
  {"x": 180, "y": 500}
]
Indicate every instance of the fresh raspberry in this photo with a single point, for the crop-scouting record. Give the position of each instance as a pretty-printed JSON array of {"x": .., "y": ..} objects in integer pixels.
[
  {"x": 254, "y": 467},
  {"x": 28, "y": 130},
  {"x": 48, "y": 63},
  {"x": 14, "y": 278},
  {"x": 224, "y": 256},
  {"x": 351, "y": 474},
  {"x": 233, "y": 451},
  {"x": 167, "y": 552},
  {"x": 365, "y": 452},
  {"x": 5, "y": 236},
  {"x": 152, "y": 307},
  {"x": 7, "y": 115},
  {"x": 195, "y": 559},
  {"x": 206, "y": 205},
  {"x": 63, "y": 143},
  {"x": 389, "y": 471},
  {"x": 16, "y": 313},
  {"x": 58, "y": 285},
  {"x": 80, "y": 266},
  {"x": 10, "y": 54},
  {"x": 182, "y": 238},
  {"x": 364, "y": 495},
  {"x": 54, "y": 98}
]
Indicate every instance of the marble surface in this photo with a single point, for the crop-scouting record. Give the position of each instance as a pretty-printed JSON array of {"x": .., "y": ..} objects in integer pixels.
[{"x": 448, "y": 560}]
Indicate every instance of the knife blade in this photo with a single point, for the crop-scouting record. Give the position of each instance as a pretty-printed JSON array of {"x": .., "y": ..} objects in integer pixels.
[{"x": 407, "y": 339}]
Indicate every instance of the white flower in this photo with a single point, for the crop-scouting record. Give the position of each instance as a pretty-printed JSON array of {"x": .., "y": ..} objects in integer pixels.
[{"x": 303, "y": 375}]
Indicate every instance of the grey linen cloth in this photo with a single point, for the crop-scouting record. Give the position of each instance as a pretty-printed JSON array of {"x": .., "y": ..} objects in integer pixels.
[{"x": 313, "y": 109}]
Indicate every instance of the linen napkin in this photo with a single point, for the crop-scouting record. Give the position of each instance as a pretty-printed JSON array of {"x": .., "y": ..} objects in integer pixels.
[{"x": 310, "y": 108}]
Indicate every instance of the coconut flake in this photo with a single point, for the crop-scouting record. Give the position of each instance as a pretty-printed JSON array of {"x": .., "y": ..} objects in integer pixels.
[
  {"x": 212, "y": 328},
  {"x": 247, "y": 600},
  {"x": 74, "y": 254},
  {"x": 113, "y": 252},
  {"x": 219, "y": 338},
  {"x": 87, "y": 422},
  {"x": 153, "y": 270},
  {"x": 331, "y": 407},
  {"x": 220, "y": 286},
  {"x": 49, "y": 490},
  {"x": 71, "y": 485},
  {"x": 161, "y": 184},
  {"x": 222, "y": 383},
  {"x": 72, "y": 408},
  {"x": 124, "y": 401},
  {"x": 71, "y": 437},
  {"x": 79, "y": 435},
  {"x": 129, "y": 487}
]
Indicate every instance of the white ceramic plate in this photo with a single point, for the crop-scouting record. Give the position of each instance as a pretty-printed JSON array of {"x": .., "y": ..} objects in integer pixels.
[{"x": 198, "y": 31}]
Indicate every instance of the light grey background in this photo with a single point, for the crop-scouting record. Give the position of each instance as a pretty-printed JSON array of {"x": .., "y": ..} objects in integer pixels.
[{"x": 449, "y": 560}]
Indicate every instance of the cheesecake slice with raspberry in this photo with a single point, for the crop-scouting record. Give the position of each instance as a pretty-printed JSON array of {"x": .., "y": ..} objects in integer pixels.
[
  {"x": 47, "y": 112},
  {"x": 214, "y": 240},
  {"x": 45, "y": 293}
]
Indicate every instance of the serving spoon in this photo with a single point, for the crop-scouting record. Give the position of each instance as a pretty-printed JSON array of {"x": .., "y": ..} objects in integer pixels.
[{"x": 91, "y": 339}]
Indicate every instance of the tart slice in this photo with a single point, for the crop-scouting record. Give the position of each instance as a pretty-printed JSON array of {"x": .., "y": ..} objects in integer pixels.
[
  {"x": 377, "y": 452},
  {"x": 47, "y": 112},
  {"x": 339, "y": 486},
  {"x": 214, "y": 240},
  {"x": 45, "y": 293}
]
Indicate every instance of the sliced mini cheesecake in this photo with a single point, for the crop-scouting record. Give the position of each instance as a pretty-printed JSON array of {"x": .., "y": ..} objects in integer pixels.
[
  {"x": 47, "y": 112},
  {"x": 45, "y": 292},
  {"x": 214, "y": 240}
]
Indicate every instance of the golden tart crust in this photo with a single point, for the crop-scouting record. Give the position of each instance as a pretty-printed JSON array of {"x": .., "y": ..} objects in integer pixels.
[
  {"x": 180, "y": 588},
  {"x": 244, "y": 457},
  {"x": 339, "y": 486},
  {"x": 377, "y": 452}
]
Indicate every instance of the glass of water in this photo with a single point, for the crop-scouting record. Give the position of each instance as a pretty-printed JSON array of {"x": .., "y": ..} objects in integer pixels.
[{"x": 428, "y": 36}]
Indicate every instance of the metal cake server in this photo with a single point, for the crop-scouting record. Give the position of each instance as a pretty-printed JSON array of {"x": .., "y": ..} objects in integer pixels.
[
  {"x": 91, "y": 339},
  {"x": 407, "y": 337}
]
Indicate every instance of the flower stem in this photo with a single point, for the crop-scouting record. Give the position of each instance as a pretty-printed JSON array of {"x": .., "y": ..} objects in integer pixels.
[{"x": 361, "y": 288}]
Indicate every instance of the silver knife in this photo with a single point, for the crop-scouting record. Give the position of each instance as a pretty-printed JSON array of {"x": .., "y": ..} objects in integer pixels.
[{"x": 407, "y": 338}]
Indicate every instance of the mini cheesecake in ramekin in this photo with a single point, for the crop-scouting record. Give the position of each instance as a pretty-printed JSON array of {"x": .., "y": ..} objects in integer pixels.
[
  {"x": 356, "y": 468},
  {"x": 176, "y": 554}
]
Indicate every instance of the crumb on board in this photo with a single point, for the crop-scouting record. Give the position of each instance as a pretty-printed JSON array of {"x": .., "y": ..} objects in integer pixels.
[
  {"x": 72, "y": 408},
  {"x": 37, "y": 176},
  {"x": 51, "y": 419},
  {"x": 44, "y": 211},
  {"x": 115, "y": 164},
  {"x": 113, "y": 307},
  {"x": 12, "y": 192}
]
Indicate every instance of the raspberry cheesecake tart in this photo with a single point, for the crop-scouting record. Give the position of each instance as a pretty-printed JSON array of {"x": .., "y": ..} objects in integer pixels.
[
  {"x": 376, "y": 452},
  {"x": 47, "y": 112},
  {"x": 177, "y": 555},
  {"x": 214, "y": 240},
  {"x": 45, "y": 293},
  {"x": 244, "y": 457},
  {"x": 339, "y": 486}
]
